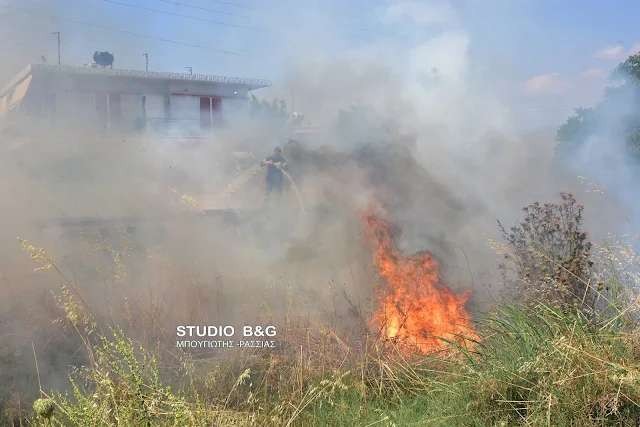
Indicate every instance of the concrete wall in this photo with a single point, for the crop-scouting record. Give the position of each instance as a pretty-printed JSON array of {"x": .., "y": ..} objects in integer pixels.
[
  {"x": 76, "y": 106},
  {"x": 185, "y": 107},
  {"x": 154, "y": 106},
  {"x": 132, "y": 105},
  {"x": 60, "y": 82}
]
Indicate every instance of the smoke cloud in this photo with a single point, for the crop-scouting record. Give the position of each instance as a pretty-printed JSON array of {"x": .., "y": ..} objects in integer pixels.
[{"x": 414, "y": 118}]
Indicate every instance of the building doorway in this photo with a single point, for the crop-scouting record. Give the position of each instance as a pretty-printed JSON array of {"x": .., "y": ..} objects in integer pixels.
[
  {"x": 210, "y": 112},
  {"x": 205, "y": 113}
]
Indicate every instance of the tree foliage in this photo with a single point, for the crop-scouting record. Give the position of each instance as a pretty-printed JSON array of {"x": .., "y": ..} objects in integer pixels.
[
  {"x": 273, "y": 115},
  {"x": 628, "y": 70},
  {"x": 261, "y": 109},
  {"x": 576, "y": 129},
  {"x": 617, "y": 115}
]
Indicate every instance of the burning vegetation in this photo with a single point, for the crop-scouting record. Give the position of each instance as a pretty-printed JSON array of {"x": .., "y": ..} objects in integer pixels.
[{"x": 417, "y": 312}]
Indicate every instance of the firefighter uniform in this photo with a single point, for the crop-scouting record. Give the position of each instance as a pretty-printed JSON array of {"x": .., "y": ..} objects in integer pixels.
[{"x": 275, "y": 178}]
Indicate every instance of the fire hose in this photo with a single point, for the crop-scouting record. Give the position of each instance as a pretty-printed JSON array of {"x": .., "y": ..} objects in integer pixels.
[{"x": 293, "y": 184}]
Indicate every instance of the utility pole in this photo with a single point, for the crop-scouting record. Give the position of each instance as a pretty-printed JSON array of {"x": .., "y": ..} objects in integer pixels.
[
  {"x": 146, "y": 62},
  {"x": 58, "y": 34},
  {"x": 190, "y": 70}
]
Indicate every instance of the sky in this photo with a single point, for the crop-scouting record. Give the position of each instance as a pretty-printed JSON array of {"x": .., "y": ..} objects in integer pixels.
[{"x": 548, "y": 56}]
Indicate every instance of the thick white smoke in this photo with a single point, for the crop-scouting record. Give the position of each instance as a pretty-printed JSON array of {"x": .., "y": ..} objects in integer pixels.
[{"x": 439, "y": 147}]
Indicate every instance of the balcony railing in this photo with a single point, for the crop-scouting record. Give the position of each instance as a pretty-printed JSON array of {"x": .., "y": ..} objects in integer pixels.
[{"x": 256, "y": 83}]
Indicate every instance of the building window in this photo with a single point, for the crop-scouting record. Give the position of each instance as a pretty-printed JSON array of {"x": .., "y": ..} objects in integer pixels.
[{"x": 108, "y": 106}]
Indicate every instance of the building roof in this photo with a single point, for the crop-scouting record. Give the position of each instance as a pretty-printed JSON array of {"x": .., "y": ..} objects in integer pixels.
[{"x": 252, "y": 84}]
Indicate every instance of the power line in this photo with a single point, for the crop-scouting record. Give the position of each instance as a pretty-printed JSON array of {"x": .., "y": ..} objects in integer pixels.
[
  {"x": 204, "y": 19},
  {"x": 202, "y": 8},
  {"x": 60, "y": 18},
  {"x": 233, "y": 4},
  {"x": 180, "y": 15}
]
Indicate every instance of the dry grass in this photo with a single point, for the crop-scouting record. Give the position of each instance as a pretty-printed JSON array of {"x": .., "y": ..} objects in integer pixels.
[{"x": 537, "y": 365}]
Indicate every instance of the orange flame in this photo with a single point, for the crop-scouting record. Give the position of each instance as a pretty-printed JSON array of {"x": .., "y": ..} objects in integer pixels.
[{"x": 417, "y": 312}]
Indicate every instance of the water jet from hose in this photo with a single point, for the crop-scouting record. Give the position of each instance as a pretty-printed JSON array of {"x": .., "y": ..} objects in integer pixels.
[{"x": 295, "y": 189}]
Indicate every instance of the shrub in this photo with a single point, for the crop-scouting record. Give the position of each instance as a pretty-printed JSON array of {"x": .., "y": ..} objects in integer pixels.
[{"x": 549, "y": 257}]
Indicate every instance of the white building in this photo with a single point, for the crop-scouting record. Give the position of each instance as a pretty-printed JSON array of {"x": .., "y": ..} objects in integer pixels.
[{"x": 124, "y": 100}]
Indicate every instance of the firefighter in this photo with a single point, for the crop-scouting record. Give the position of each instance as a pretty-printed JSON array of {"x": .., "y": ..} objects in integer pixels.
[{"x": 274, "y": 179}]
